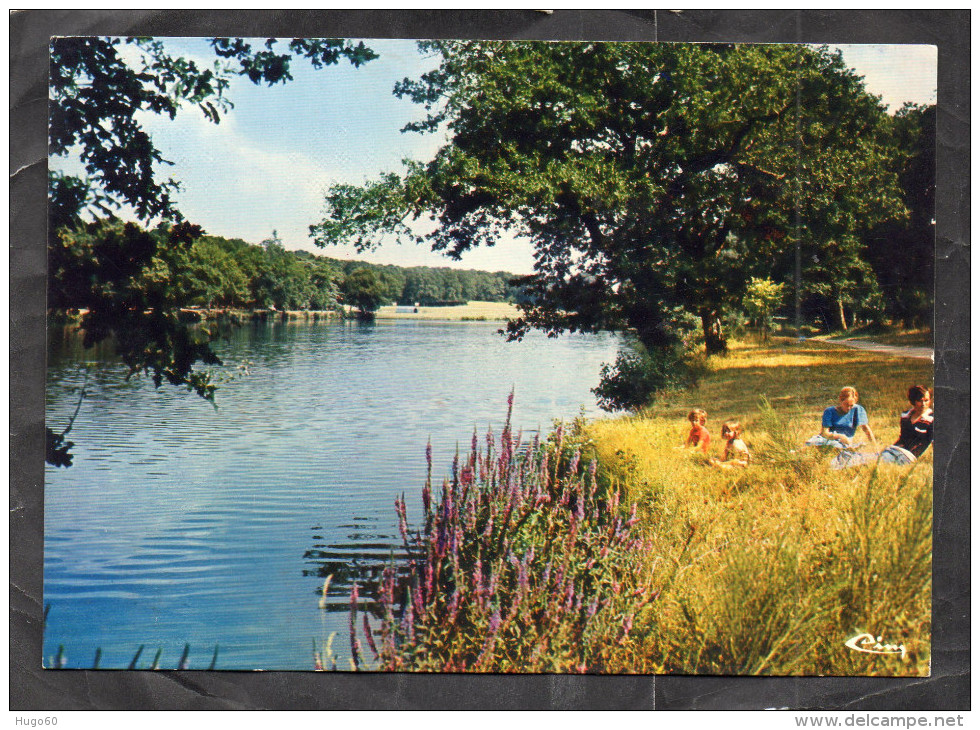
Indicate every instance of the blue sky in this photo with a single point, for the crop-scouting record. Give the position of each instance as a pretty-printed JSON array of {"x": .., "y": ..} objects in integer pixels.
[{"x": 266, "y": 165}]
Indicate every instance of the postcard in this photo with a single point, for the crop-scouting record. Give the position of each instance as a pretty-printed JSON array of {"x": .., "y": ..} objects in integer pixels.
[{"x": 490, "y": 356}]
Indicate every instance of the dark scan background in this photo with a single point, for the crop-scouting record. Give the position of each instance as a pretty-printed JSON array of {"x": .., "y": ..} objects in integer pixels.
[{"x": 32, "y": 688}]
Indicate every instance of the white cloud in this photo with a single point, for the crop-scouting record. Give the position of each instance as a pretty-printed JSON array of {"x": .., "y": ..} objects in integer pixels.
[{"x": 896, "y": 73}]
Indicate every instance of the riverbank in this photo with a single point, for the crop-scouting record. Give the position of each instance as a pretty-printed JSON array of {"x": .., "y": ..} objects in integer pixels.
[
  {"x": 771, "y": 569},
  {"x": 474, "y": 311},
  {"x": 775, "y": 569},
  {"x": 469, "y": 312}
]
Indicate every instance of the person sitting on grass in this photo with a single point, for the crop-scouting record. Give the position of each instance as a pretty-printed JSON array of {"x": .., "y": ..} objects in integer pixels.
[
  {"x": 699, "y": 436},
  {"x": 914, "y": 435},
  {"x": 736, "y": 452},
  {"x": 841, "y": 422}
]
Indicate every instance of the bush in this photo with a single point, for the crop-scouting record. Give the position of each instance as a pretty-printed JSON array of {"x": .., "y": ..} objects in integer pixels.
[
  {"x": 522, "y": 565},
  {"x": 638, "y": 375}
]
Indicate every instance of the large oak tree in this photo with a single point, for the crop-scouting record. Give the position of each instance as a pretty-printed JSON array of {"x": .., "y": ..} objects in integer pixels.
[{"x": 651, "y": 178}]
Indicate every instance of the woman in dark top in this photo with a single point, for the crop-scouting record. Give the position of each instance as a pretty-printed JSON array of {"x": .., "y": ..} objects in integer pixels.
[{"x": 914, "y": 435}]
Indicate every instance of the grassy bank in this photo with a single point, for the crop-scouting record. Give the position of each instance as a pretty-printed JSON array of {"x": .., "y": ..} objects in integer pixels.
[
  {"x": 608, "y": 549},
  {"x": 771, "y": 569},
  {"x": 471, "y": 311}
]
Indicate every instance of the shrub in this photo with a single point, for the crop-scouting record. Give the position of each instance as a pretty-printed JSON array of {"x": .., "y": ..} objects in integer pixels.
[
  {"x": 638, "y": 375},
  {"x": 523, "y": 564}
]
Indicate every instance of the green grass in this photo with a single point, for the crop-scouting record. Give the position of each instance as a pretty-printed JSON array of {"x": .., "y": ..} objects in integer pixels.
[{"x": 771, "y": 569}]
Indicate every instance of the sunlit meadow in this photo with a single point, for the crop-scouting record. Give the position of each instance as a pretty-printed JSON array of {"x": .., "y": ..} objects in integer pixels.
[{"x": 609, "y": 548}]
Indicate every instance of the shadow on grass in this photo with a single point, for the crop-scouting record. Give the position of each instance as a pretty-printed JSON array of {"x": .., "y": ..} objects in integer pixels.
[{"x": 800, "y": 380}]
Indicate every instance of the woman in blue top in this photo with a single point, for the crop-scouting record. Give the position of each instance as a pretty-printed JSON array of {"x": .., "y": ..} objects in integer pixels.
[{"x": 841, "y": 422}]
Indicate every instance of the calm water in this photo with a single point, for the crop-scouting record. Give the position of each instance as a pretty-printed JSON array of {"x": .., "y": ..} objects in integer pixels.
[{"x": 181, "y": 523}]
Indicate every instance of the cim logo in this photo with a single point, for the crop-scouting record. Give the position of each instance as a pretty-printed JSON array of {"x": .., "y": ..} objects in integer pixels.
[{"x": 869, "y": 644}]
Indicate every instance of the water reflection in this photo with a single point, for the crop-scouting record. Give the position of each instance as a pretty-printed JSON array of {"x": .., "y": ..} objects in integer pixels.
[
  {"x": 361, "y": 558},
  {"x": 181, "y": 523}
]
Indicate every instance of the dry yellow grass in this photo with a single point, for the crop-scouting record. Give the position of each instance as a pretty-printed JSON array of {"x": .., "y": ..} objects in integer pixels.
[
  {"x": 771, "y": 569},
  {"x": 478, "y": 311}
]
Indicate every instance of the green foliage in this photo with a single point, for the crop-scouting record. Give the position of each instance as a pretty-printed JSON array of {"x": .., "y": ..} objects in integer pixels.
[
  {"x": 95, "y": 95},
  {"x": 902, "y": 255},
  {"x": 363, "y": 290},
  {"x": 637, "y": 376},
  {"x": 647, "y": 176},
  {"x": 762, "y": 298},
  {"x": 132, "y": 281}
]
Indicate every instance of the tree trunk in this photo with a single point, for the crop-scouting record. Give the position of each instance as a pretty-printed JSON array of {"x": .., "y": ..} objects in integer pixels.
[
  {"x": 843, "y": 318},
  {"x": 714, "y": 338}
]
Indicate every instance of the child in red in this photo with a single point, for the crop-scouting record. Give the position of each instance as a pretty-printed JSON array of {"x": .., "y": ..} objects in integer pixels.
[{"x": 698, "y": 437}]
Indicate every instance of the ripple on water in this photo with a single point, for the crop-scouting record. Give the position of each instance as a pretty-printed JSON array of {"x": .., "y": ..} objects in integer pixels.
[{"x": 182, "y": 523}]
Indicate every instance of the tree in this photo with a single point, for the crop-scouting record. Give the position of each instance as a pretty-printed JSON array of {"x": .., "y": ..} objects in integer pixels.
[
  {"x": 902, "y": 255},
  {"x": 422, "y": 286},
  {"x": 762, "y": 298},
  {"x": 362, "y": 289},
  {"x": 96, "y": 97},
  {"x": 649, "y": 177},
  {"x": 125, "y": 277}
]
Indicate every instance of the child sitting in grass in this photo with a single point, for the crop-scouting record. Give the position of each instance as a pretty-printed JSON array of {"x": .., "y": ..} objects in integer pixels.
[
  {"x": 736, "y": 452},
  {"x": 699, "y": 436}
]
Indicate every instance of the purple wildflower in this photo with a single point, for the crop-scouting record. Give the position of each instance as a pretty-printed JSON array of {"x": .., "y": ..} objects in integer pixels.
[
  {"x": 522, "y": 584},
  {"x": 633, "y": 519},
  {"x": 428, "y": 580},
  {"x": 478, "y": 582},
  {"x": 457, "y": 543},
  {"x": 417, "y": 601},
  {"x": 627, "y": 627},
  {"x": 368, "y": 636},
  {"x": 573, "y": 465},
  {"x": 408, "y": 619},
  {"x": 427, "y": 497},
  {"x": 355, "y": 644},
  {"x": 494, "y": 625},
  {"x": 593, "y": 607},
  {"x": 402, "y": 518},
  {"x": 471, "y": 515}
]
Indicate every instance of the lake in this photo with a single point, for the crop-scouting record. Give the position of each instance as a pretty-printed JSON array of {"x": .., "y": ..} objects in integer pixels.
[{"x": 181, "y": 523}]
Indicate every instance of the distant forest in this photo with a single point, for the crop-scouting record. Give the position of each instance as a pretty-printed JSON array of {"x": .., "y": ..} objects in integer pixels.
[{"x": 216, "y": 272}]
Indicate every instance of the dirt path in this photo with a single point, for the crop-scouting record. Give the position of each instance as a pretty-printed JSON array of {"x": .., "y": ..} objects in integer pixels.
[{"x": 922, "y": 353}]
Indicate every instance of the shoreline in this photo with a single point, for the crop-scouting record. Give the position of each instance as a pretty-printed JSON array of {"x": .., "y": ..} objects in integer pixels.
[{"x": 474, "y": 311}]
